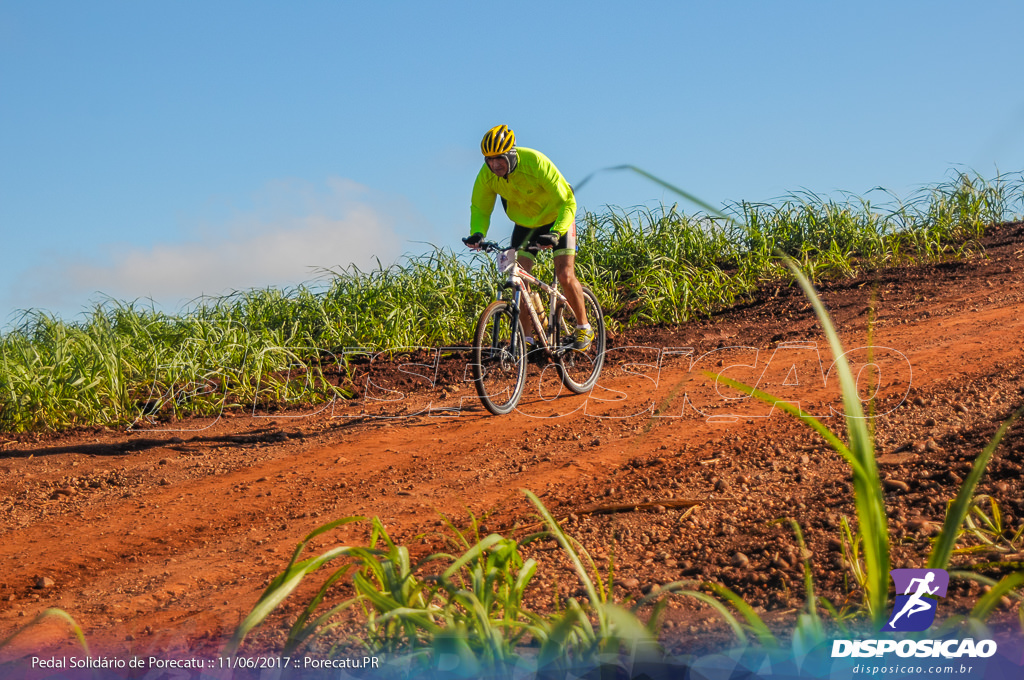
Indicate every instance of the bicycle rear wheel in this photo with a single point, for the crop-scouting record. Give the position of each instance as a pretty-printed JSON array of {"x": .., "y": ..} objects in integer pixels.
[
  {"x": 579, "y": 370},
  {"x": 499, "y": 358}
]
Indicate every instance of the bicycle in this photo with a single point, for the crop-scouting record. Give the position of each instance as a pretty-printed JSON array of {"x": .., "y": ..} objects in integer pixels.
[{"x": 499, "y": 348}]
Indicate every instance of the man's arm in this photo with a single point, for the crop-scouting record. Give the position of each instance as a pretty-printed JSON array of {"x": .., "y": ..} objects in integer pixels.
[{"x": 481, "y": 205}]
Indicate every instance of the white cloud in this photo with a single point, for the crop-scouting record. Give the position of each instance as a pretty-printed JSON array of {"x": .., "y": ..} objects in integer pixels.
[{"x": 293, "y": 230}]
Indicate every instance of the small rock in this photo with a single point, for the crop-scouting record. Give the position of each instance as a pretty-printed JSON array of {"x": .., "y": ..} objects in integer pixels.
[
  {"x": 895, "y": 485},
  {"x": 44, "y": 582},
  {"x": 923, "y": 526},
  {"x": 650, "y": 588},
  {"x": 721, "y": 485},
  {"x": 627, "y": 583},
  {"x": 920, "y": 447},
  {"x": 930, "y": 422},
  {"x": 930, "y": 445},
  {"x": 740, "y": 560},
  {"x": 164, "y": 481},
  {"x": 960, "y": 408}
]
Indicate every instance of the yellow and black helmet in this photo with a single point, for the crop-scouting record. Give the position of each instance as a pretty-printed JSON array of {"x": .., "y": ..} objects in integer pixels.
[{"x": 498, "y": 140}]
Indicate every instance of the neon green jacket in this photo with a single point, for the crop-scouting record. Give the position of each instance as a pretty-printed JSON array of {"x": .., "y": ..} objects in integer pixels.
[{"x": 536, "y": 192}]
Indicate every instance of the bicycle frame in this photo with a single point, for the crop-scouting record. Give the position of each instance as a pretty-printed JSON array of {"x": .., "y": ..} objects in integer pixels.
[{"x": 518, "y": 280}]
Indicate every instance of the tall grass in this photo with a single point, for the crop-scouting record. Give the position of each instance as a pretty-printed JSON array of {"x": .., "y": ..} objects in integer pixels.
[
  {"x": 470, "y": 607},
  {"x": 269, "y": 347}
]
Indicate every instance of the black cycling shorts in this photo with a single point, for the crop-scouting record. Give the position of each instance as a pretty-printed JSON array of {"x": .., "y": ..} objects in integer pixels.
[{"x": 522, "y": 235}]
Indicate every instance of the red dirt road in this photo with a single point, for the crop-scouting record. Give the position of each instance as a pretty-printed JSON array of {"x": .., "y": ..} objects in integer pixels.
[{"x": 160, "y": 541}]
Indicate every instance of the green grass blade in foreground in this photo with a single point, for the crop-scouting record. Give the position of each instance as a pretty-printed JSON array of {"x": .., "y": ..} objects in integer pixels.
[
  {"x": 559, "y": 535},
  {"x": 723, "y": 611},
  {"x": 302, "y": 630},
  {"x": 809, "y": 631},
  {"x": 973, "y": 621},
  {"x": 811, "y": 421},
  {"x": 52, "y": 613},
  {"x": 560, "y": 633},
  {"x": 943, "y": 549},
  {"x": 277, "y": 592},
  {"x": 868, "y": 495},
  {"x": 671, "y": 187},
  {"x": 755, "y": 622},
  {"x": 990, "y": 600},
  {"x": 286, "y": 582},
  {"x": 629, "y": 631},
  {"x": 474, "y": 553}
]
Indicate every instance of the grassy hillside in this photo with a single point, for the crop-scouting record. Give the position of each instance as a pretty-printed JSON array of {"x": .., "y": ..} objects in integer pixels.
[{"x": 124, "y": 360}]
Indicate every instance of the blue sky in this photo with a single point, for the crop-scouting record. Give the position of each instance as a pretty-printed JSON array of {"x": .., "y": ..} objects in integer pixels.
[{"x": 164, "y": 150}]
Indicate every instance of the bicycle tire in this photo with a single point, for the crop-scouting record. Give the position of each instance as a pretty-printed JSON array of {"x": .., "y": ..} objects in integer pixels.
[
  {"x": 579, "y": 370},
  {"x": 499, "y": 373}
]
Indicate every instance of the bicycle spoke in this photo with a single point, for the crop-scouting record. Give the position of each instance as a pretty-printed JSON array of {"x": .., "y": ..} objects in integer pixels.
[
  {"x": 499, "y": 369},
  {"x": 579, "y": 369}
]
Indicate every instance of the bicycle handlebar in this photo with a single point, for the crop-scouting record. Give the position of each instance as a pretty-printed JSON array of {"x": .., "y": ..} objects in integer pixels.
[{"x": 492, "y": 246}]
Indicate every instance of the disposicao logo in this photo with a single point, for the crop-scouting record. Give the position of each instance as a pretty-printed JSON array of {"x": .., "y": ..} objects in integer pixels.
[{"x": 914, "y": 611}]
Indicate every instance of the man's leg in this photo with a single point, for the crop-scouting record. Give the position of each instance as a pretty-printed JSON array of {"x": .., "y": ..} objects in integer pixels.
[{"x": 565, "y": 270}]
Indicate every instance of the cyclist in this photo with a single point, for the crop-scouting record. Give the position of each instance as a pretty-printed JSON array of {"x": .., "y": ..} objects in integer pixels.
[{"x": 540, "y": 202}]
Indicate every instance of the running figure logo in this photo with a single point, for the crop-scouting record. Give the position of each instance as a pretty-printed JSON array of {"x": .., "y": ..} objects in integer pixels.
[{"x": 914, "y": 610}]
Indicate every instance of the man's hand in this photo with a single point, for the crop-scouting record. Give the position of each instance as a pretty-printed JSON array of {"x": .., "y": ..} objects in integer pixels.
[{"x": 473, "y": 240}]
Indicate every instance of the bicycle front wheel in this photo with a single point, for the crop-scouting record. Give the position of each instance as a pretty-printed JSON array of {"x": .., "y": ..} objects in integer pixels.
[
  {"x": 499, "y": 358},
  {"x": 579, "y": 370}
]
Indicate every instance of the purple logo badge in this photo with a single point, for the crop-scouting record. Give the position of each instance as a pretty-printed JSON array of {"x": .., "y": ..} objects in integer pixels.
[{"x": 914, "y": 609}]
